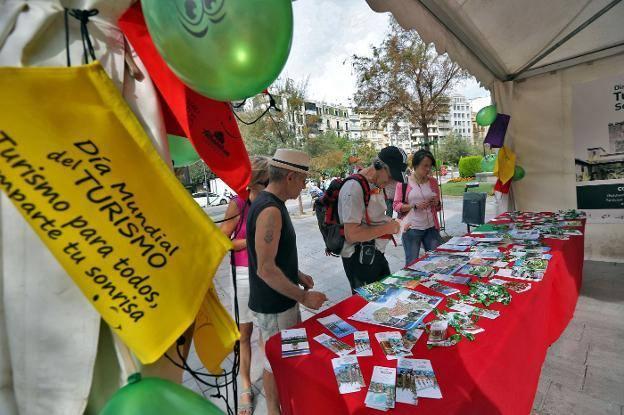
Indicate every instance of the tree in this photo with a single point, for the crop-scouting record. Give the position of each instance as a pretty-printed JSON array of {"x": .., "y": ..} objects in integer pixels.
[
  {"x": 405, "y": 79},
  {"x": 272, "y": 130},
  {"x": 453, "y": 147}
]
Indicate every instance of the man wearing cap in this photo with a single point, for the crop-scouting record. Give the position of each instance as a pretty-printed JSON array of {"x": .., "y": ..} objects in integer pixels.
[
  {"x": 277, "y": 286},
  {"x": 366, "y": 239}
]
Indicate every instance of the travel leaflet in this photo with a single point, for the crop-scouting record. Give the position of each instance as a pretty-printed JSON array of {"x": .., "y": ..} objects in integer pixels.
[
  {"x": 337, "y": 326},
  {"x": 348, "y": 374},
  {"x": 381, "y": 392},
  {"x": 334, "y": 345}
]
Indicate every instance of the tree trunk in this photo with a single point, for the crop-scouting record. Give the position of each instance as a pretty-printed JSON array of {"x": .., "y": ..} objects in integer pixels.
[{"x": 424, "y": 127}]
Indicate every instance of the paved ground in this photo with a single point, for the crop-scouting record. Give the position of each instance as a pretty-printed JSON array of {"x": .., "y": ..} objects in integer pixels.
[{"x": 584, "y": 369}]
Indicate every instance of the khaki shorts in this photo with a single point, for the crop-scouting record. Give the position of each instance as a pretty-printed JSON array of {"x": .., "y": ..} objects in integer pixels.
[{"x": 271, "y": 324}]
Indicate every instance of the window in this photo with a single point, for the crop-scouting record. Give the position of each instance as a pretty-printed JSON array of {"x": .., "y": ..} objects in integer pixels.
[
  {"x": 328, "y": 126},
  {"x": 347, "y": 126},
  {"x": 337, "y": 125}
]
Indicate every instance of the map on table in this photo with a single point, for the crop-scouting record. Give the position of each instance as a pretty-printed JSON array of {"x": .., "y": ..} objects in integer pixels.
[{"x": 404, "y": 310}]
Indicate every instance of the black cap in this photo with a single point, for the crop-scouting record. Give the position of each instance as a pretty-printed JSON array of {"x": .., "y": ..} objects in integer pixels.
[{"x": 396, "y": 160}]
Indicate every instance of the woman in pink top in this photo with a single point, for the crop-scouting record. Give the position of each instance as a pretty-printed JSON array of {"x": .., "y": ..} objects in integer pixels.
[
  {"x": 419, "y": 209},
  {"x": 236, "y": 229}
]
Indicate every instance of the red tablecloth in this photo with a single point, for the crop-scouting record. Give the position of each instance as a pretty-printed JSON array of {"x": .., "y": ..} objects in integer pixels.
[{"x": 495, "y": 374}]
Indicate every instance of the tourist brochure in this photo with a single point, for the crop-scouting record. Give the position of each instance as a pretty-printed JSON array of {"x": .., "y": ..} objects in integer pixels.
[
  {"x": 404, "y": 310},
  {"x": 463, "y": 323},
  {"x": 504, "y": 272},
  {"x": 440, "y": 288},
  {"x": 405, "y": 282},
  {"x": 480, "y": 271},
  {"x": 500, "y": 264},
  {"x": 470, "y": 309},
  {"x": 418, "y": 373},
  {"x": 439, "y": 263},
  {"x": 410, "y": 273},
  {"x": 525, "y": 234},
  {"x": 362, "y": 343},
  {"x": 450, "y": 278},
  {"x": 515, "y": 286},
  {"x": 348, "y": 374},
  {"x": 295, "y": 342},
  {"x": 392, "y": 345},
  {"x": 337, "y": 326},
  {"x": 334, "y": 345},
  {"x": 377, "y": 291},
  {"x": 382, "y": 389},
  {"x": 410, "y": 338},
  {"x": 462, "y": 240},
  {"x": 487, "y": 253},
  {"x": 458, "y": 243}
]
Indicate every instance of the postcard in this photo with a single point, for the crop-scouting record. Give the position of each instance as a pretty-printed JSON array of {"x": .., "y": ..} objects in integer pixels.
[
  {"x": 410, "y": 338},
  {"x": 362, "y": 343},
  {"x": 381, "y": 392},
  {"x": 451, "y": 278},
  {"x": 440, "y": 288},
  {"x": 337, "y": 326},
  {"x": 334, "y": 345},
  {"x": 377, "y": 291},
  {"x": 392, "y": 345},
  {"x": 348, "y": 374},
  {"x": 421, "y": 370},
  {"x": 295, "y": 342}
]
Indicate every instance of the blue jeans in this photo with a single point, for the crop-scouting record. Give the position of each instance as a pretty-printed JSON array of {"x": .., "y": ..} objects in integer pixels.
[{"x": 413, "y": 238}]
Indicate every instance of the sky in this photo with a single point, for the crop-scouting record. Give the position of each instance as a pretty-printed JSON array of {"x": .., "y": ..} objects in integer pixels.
[{"x": 326, "y": 34}]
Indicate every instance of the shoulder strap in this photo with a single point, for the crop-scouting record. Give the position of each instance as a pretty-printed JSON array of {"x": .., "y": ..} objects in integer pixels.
[
  {"x": 403, "y": 192},
  {"x": 242, "y": 212},
  {"x": 365, "y": 189}
]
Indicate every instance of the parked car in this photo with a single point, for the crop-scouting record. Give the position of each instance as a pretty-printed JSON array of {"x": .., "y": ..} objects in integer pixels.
[{"x": 210, "y": 199}]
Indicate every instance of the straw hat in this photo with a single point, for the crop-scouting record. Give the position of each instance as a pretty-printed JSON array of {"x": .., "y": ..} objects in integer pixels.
[{"x": 292, "y": 160}]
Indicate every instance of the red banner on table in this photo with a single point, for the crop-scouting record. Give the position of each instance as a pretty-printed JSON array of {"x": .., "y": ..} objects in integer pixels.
[{"x": 209, "y": 124}]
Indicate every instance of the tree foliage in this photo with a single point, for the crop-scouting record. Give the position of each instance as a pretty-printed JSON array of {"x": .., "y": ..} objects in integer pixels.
[
  {"x": 452, "y": 148},
  {"x": 405, "y": 79}
]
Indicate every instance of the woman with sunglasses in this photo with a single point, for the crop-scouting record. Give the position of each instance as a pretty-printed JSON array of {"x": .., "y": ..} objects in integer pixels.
[{"x": 235, "y": 228}]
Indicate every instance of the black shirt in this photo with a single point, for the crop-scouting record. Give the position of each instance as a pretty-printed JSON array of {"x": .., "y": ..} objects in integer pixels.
[{"x": 262, "y": 298}]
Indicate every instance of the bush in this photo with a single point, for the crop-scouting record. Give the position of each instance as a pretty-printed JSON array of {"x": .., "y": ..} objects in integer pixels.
[{"x": 469, "y": 166}]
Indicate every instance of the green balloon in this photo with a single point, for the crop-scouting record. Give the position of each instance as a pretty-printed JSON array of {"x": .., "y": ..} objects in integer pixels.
[
  {"x": 156, "y": 396},
  {"x": 182, "y": 151},
  {"x": 486, "y": 115},
  {"x": 226, "y": 50},
  {"x": 518, "y": 173}
]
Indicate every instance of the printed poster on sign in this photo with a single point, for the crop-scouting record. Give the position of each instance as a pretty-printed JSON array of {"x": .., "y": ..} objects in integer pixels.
[{"x": 598, "y": 126}]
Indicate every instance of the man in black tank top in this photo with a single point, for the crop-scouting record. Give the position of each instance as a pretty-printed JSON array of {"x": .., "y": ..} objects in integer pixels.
[{"x": 276, "y": 286}]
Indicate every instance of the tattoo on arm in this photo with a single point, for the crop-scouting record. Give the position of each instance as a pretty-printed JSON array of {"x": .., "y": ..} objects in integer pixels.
[{"x": 268, "y": 235}]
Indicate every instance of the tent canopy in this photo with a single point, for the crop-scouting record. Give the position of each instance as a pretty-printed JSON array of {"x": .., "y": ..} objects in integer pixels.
[{"x": 511, "y": 40}]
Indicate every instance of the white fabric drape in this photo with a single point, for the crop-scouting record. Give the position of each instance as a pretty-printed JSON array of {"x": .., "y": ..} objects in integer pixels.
[{"x": 48, "y": 330}]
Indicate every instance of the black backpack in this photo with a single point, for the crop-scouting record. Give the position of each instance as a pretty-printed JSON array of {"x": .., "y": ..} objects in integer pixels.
[{"x": 326, "y": 209}]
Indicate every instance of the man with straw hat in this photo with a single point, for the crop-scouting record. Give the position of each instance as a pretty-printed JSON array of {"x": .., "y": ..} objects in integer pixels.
[{"x": 277, "y": 286}]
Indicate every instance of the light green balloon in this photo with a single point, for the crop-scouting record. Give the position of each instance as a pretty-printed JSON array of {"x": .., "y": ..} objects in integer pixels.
[
  {"x": 486, "y": 115},
  {"x": 156, "y": 396},
  {"x": 182, "y": 151},
  {"x": 226, "y": 50}
]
